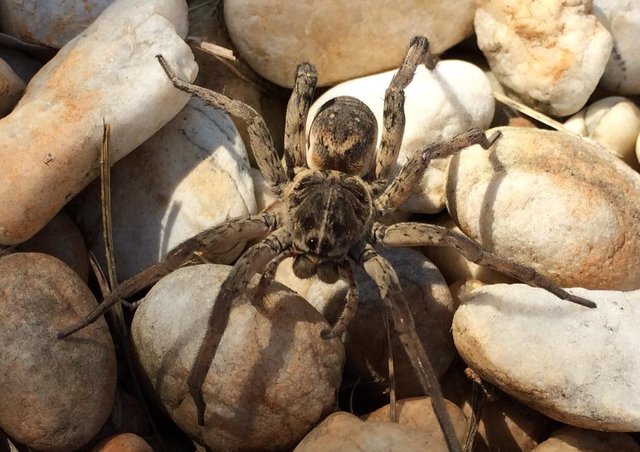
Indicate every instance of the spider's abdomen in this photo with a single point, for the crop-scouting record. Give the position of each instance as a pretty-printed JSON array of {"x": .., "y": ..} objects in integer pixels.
[
  {"x": 343, "y": 137},
  {"x": 328, "y": 212}
]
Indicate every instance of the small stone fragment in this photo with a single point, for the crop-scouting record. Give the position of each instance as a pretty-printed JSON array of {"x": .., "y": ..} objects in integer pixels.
[
  {"x": 614, "y": 122},
  {"x": 273, "y": 376},
  {"x": 585, "y": 203},
  {"x": 56, "y": 394},
  {"x": 571, "y": 439},
  {"x": 551, "y": 54},
  {"x": 274, "y": 36},
  {"x": 191, "y": 175},
  {"x": 453, "y": 98},
  {"x": 123, "y": 442},
  {"x": 108, "y": 73},
  {"x": 576, "y": 365}
]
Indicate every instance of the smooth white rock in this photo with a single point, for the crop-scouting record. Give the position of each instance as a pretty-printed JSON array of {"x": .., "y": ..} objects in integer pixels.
[
  {"x": 576, "y": 365},
  {"x": 456, "y": 96},
  {"x": 52, "y": 23},
  {"x": 622, "y": 19},
  {"x": 365, "y": 341},
  {"x": 272, "y": 379},
  {"x": 553, "y": 201},
  {"x": 191, "y": 175},
  {"x": 550, "y": 53},
  {"x": 274, "y": 36},
  {"x": 11, "y": 88},
  {"x": 107, "y": 73},
  {"x": 614, "y": 122}
]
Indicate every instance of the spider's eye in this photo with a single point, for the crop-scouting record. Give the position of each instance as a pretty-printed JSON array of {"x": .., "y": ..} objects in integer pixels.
[
  {"x": 312, "y": 242},
  {"x": 338, "y": 229}
]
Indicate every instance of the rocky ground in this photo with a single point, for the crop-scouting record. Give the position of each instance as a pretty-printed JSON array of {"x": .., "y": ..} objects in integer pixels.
[{"x": 559, "y": 191}]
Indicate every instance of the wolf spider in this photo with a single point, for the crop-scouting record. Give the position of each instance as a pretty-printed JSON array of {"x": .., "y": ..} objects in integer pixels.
[{"x": 328, "y": 219}]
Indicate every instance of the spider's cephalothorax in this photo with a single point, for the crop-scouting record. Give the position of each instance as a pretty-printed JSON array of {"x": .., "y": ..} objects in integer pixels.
[
  {"x": 328, "y": 212},
  {"x": 328, "y": 218}
]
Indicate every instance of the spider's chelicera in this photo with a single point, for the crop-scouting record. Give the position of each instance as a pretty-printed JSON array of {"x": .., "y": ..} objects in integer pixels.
[{"x": 328, "y": 218}]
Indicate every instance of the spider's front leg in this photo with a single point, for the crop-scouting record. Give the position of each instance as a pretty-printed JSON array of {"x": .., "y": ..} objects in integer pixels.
[
  {"x": 250, "y": 263},
  {"x": 259, "y": 135},
  {"x": 393, "y": 112},
  {"x": 383, "y": 274},
  {"x": 295, "y": 138},
  {"x": 211, "y": 242},
  {"x": 422, "y": 234}
]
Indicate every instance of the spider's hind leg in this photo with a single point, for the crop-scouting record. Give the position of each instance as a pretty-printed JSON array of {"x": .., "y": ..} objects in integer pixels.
[
  {"x": 393, "y": 113},
  {"x": 383, "y": 274}
]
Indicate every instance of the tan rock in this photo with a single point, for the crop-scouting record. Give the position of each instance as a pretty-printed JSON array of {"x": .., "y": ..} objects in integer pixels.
[
  {"x": 123, "y": 442},
  {"x": 108, "y": 73},
  {"x": 346, "y": 432},
  {"x": 573, "y": 364},
  {"x": 614, "y": 122},
  {"x": 550, "y": 53},
  {"x": 272, "y": 379},
  {"x": 56, "y": 394},
  {"x": 552, "y": 201},
  {"x": 274, "y": 36},
  {"x": 571, "y": 439},
  {"x": 11, "y": 88}
]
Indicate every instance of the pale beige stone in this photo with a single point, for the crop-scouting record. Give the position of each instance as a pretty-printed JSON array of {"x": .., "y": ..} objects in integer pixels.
[
  {"x": 272, "y": 379},
  {"x": 274, "y": 36},
  {"x": 191, "y": 175},
  {"x": 574, "y": 364},
  {"x": 613, "y": 122},
  {"x": 50, "y": 143},
  {"x": 550, "y": 53},
  {"x": 552, "y": 201}
]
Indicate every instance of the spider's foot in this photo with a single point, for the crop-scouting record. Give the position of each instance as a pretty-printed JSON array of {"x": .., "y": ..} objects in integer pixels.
[
  {"x": 201, "y": 405},
  {"x": 581, "y": 301},
  {"x": 492, "y": 139}
]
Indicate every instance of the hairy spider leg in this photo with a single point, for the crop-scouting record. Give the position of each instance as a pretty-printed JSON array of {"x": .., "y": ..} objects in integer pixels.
[
  {"x": 385, "y": 277},
  {"x": 393, "y": 113},
  {"x": 404, "y": 184},
  {"x": 216, "y": 240},
  {"x": 421, "y": 234},
  {"x": 259, "y": 135},
  {"x": 295, "y": 139},
  {"x": 251, "y": 262}
]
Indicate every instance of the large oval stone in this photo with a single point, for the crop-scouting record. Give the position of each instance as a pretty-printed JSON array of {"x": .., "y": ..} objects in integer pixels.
[
  {"x": 554, "y": 201},
  {"x": 54, "y": 394},
  {"x": 274, "y": 36},
  {"x": 577, "y": 365},
  {"x": 273, "y": 376}
]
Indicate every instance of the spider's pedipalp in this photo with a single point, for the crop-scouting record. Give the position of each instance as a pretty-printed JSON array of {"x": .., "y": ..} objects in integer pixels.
[
  {"x": 350, "y": 305},
  {"x": 259, "y": 135},
  {"x": 296, "y": 119},
  {"x": 384, "y": 276},
  {"x": 423, "y": 234},
  {"x": 218, "y": 240},
  {"x": 250, "y": 263},
  {"x": 393, "y": 113}
]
